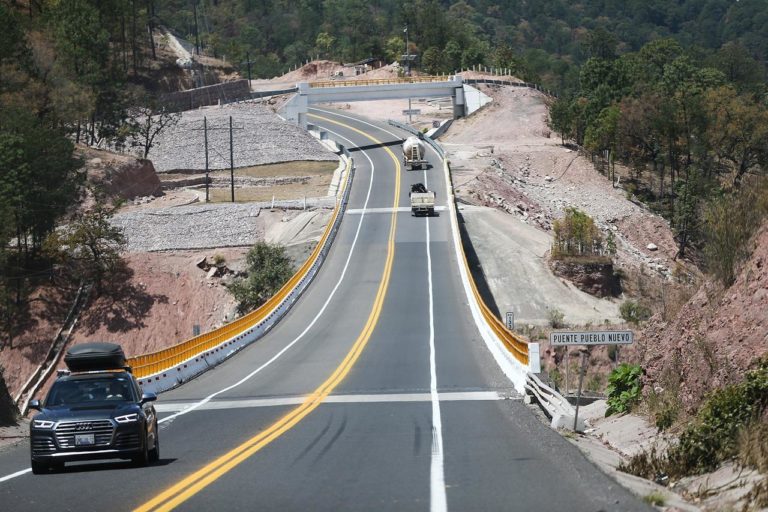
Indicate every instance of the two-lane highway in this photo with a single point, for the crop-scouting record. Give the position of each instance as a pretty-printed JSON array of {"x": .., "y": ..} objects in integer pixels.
[{"x": 376, "y": 392}]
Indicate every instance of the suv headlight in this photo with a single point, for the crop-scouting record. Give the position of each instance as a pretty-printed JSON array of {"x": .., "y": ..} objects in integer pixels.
[
  {"x": 128, "y": 418},
  {"x": 43, "y": 424}
]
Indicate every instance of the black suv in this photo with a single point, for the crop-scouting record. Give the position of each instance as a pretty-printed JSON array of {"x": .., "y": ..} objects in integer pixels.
[{"x": 94, "y": 413}]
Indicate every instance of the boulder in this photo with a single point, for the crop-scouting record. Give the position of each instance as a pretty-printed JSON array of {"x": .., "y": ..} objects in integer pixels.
[{"x": 126, "y": 177}]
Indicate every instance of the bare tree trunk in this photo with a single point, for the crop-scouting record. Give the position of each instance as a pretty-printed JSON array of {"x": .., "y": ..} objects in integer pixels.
[
  {"x": 134, "y": 48},
  {"x": 125, "y": 43},
  {"x": 150, "y": 26}
]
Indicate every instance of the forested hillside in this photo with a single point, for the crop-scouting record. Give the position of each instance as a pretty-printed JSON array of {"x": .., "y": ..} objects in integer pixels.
[
  {"x": 542, "y": 40},
  {"x": 674, "y": 90},
  {"x": 71, "y": 71}
]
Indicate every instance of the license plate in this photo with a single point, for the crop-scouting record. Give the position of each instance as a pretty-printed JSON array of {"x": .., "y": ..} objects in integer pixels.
[{"x": 84, "y": 439}]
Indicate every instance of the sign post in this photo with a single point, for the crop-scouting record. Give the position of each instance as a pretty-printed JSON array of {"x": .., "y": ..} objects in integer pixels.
[{"x": 586, "y": 339}]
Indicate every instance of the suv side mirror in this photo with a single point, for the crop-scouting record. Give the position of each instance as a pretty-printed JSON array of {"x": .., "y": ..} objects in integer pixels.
[
  {"x": 35, "y": 404},
  {"x": 148, "y": 396}
]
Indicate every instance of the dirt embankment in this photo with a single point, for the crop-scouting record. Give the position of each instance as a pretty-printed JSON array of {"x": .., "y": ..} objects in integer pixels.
[
  {"x": 160, "y": 296},
  {"x": 715, "y": 336}
]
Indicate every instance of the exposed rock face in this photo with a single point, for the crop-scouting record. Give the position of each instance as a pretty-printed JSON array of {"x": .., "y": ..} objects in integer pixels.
[
  {"x": 122, "y": 176},
  {"x": 595, "y": 278},
  {"x": 716, "y": 336},
  {"x": 133, "y": 179},
  {"x": 8, "y": 411}
]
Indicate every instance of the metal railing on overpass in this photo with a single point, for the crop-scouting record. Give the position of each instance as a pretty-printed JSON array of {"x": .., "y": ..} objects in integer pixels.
[
  {"x": 381, "y": 81},
  {"x": 494, "y": 81}
]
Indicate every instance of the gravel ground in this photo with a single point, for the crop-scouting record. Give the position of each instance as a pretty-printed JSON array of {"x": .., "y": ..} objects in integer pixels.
[
  {"x": 200, "y": 226},
  {"x": 259, "y": 137}
]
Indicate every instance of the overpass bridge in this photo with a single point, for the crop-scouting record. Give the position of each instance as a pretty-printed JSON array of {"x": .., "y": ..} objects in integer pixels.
[{"x": 336, "y": 91}]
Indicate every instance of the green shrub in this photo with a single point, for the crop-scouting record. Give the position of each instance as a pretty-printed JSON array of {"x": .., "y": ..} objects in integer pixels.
[
  {"x": 623, "y": 388},
  {"x": 714, "y": 436},
  {"x": 723, "y": 424},
  {"x": 268, "y": 268},
  {"x": 634, "y": 312},
  {"x": 655, "y": 498},
  {"x": 556, "y": 317},
  {"x": 576, "y": 235}
]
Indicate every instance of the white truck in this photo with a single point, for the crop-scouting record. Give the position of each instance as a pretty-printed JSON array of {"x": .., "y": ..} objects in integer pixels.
[
  {"x": 414, "y": 153},
  {"x": 422, "y": 200}
]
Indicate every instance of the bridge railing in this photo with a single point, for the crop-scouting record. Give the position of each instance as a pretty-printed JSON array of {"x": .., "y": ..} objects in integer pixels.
[
  {"x": 381, "y": 81},
  {"x": 166, "y": 368},
  {"x": 514, "y": 343},
  {"x": 526, "y": 354}
]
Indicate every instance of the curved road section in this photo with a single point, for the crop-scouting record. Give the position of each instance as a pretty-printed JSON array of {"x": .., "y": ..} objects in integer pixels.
[{"x": 375, "y": 392}]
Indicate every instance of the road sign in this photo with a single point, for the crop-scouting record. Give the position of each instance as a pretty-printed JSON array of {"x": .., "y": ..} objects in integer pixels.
[
  {"x": 412, "y": 112},
  {"x": 591, "y": 338},
  {"x": 510, "y": 320}
]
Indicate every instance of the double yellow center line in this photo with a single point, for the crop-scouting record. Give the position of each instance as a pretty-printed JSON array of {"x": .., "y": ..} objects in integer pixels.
[{"x": 197, "y": 481}]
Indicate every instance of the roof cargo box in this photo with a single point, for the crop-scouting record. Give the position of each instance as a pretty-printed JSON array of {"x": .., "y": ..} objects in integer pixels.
[{"x": 95, "y": 356}]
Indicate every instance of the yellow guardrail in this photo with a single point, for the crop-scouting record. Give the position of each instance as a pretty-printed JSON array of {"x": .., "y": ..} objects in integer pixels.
[
  {"x": 514, "y": 343},
  {"x": 156, "y": 362},
  {"x": 379, "y": 81}
]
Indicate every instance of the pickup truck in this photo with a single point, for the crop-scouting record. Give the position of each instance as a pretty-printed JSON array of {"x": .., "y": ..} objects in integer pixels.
[{"x": 422, "y": 200}]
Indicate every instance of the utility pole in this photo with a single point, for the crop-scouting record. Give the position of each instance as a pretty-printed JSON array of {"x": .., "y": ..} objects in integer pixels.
[
  {"x": 206, "y": 129},
  {"x": 197, "y": 35},
  {"x": 231, "y": 160},
  {"x": 248, "y": 62},
  {"x": 407, "y": 53}
]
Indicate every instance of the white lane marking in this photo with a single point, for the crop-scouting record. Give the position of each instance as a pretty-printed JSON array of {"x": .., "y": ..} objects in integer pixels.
[
  {"x": 359, "y": 121},
  {"x": 14, "y": 475},
  {"x": 457, "y": 396},
  {"x": 401, "y": 209},
  {"x": 438, "y": 501},
  {"x": 309, "y": 326},
  {"x": 285, "y": 349}
]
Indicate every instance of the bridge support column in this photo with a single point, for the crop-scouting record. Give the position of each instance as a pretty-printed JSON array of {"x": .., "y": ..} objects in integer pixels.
[
  {"x": 296, "y": 109},
  {"x": 459, "y": 103}
]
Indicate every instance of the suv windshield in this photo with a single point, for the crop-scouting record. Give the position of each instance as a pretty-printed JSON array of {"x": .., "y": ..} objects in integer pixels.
[{"x": 79, "y": 391}]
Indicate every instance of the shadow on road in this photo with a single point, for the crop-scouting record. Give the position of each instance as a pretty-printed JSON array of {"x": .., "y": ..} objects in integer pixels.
[{"x": 110, "y": 466}]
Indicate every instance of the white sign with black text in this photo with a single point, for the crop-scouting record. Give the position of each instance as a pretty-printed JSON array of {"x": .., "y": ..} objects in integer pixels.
[{"x": 591, "y": 338}]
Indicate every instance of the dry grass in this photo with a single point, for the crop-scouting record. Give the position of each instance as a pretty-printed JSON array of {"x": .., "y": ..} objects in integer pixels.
[
  {"x": 757, "y": 498},
  {"x": 298, "y": 168},
  {"x": 317, "y": 176},
  {"x": 753, "y": 446}
]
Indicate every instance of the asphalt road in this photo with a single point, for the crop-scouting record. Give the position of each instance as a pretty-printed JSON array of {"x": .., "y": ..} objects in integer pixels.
[{"x": 376, "y": 392}]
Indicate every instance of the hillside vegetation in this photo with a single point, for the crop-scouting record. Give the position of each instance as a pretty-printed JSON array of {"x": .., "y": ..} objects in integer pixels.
[
  {"x": 541, "y": 40},
  {"x": 73, "y": 71}
]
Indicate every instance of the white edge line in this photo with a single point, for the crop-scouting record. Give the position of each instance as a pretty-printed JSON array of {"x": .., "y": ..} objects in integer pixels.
[
  {"x": 314, "y": 320},
  {"x": 14, "y": 475},
  {"x": 438, "y": 501},
  {"x": 285, "y": 349}
]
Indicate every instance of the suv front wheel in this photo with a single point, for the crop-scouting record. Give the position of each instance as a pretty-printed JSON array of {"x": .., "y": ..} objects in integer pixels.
[
  {"x": 154, "y": 453},
  {"x": 142, "y": 459}
]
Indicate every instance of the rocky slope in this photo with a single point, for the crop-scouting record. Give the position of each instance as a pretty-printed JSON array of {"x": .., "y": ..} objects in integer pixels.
[{"x": 714, "y": 338}]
